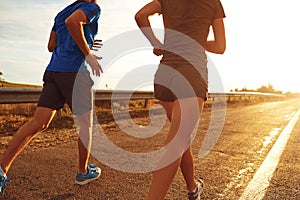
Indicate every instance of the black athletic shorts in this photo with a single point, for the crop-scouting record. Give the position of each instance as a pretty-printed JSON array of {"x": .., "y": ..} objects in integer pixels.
[{"x": 73, "y": 88}]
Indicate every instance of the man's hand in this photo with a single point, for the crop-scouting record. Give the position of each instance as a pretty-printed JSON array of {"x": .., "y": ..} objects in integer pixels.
[
  {"x": 92, "y": 60},
  {"x": 97, "y": 45}
]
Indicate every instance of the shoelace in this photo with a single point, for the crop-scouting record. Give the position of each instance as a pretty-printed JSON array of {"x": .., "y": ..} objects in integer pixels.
[
  {"x": 93, "y": 170},
  {"x": 3, "y": 184}
]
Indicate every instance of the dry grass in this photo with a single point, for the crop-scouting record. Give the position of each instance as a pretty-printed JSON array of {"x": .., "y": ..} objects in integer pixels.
[
  {"x": 17, "y": 85},
  {"x": 12, "y": 116}
]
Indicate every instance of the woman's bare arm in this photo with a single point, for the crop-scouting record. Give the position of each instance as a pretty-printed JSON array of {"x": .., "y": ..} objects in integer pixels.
[
  {"x": 142, "y": 20},
  {"x": 218, "y": 45}
]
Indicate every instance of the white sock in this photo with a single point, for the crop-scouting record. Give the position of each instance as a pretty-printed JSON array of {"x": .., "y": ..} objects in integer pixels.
[{"x": 195, "y": 190}]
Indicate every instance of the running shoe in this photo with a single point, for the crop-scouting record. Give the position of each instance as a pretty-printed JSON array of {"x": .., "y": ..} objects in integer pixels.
[
  {"x": 3, "y": 181},
  {"x": 93, "y": 172},
  {"x": 199, "y": 188}
]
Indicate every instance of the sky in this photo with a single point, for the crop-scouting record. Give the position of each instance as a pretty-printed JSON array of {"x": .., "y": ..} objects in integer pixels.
[{"x": 262, "y": 43}]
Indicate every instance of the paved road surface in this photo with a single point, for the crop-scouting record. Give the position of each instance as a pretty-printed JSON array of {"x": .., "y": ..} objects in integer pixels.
[{"x": 247, "y": 138}]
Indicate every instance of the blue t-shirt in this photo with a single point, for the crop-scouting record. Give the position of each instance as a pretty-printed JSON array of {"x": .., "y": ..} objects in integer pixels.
[{"x": 67, "y": 57}]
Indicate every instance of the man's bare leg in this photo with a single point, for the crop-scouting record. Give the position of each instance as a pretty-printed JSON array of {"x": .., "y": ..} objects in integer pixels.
[
  {"x": 40, "y": 121},
  {"x": 84, "y": 140}
]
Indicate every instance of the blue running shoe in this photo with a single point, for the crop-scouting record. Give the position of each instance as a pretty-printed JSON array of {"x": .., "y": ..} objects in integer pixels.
[
  {"x": 93, "y": 172},
  {"x": 3, "y": 181}
]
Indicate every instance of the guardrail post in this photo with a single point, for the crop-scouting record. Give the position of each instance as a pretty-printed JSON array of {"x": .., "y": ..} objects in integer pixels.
[{"x": 146, "y": 103}]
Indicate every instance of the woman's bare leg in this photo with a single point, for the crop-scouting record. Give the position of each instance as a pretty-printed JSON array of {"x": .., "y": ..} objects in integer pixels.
[
  {"x": 187, "y": 163},
  {"x": 163, "y": 178},
  {"x": 187, "y": 169}
]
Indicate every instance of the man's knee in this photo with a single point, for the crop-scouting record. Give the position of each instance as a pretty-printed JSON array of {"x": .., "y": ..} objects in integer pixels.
[
  {"x": 39, "y": 125},
  {"x": 84, "y": 120}
]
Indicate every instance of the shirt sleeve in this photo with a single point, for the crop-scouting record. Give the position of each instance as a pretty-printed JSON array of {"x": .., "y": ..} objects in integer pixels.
[
  {"x": 219, "y": 10},
  {"x": 92, "y": 11},
  {"x": 54, "y": 27}
]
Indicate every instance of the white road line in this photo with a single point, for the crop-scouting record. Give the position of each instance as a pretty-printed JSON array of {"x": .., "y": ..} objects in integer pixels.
[{"x": 258, "y": 186}]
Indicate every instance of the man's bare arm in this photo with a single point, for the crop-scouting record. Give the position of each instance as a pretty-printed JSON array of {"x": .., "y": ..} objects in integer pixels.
[
  {"x": 52, "y": 43},
  {"x": 75, "y": 24}
]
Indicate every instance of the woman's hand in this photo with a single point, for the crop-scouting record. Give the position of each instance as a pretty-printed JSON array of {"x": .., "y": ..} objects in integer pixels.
[
  {"x": 158, "y": 51},
  {"x": 158, "y": 48}
]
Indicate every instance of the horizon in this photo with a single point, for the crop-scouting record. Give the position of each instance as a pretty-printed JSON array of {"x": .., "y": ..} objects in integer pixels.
[
  {"x": 236, "y": 90},
  {"x": 257, "y": 54}
]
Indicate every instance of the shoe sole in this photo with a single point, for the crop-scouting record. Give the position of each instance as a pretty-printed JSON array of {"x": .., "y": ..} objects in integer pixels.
[{"x": 88, "y": 180}]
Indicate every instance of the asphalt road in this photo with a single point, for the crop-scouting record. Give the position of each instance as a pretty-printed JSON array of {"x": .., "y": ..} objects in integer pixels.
[{"x": 230, "y": 170}]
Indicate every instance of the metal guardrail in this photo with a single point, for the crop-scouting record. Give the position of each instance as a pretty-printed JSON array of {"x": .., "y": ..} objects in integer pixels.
[
  {"x": 31, "y": 95},
  {"x": 233, "y": 96},
  {"x": 19, "y": 95}
]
